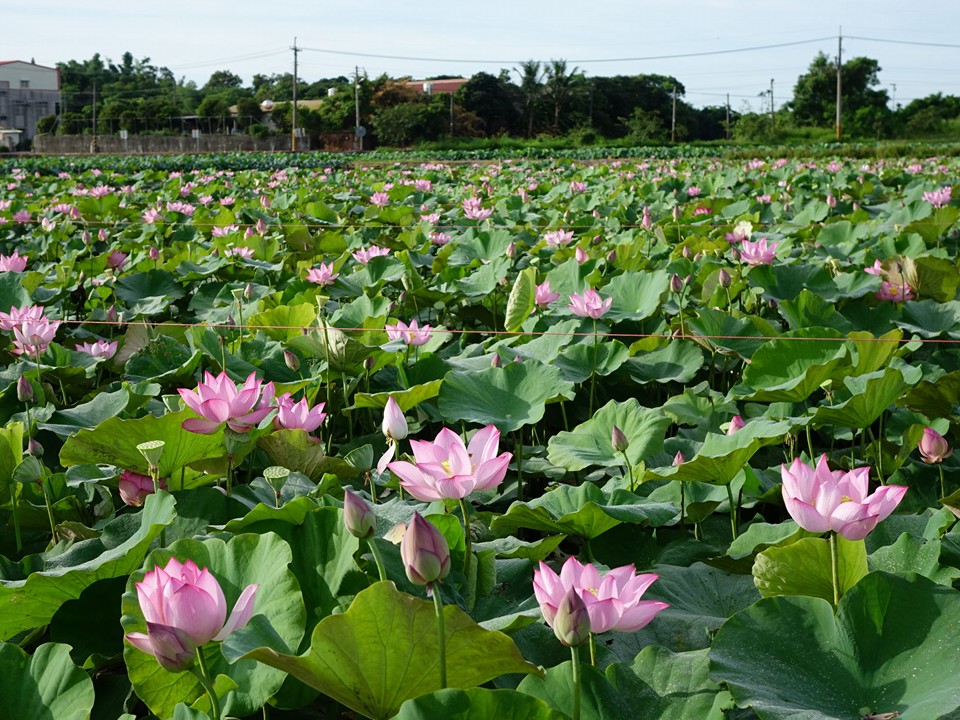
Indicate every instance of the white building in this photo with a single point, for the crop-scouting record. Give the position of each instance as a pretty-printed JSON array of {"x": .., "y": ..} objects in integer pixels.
[{"x": 27, "y": 93}]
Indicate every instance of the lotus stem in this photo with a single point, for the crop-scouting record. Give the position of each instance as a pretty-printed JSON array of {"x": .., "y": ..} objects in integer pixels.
[
  {"x": 593, "y": 650},
  {"x": 683, "y": 507},
  {"x": 626, "y": 462},
  {"x": 467, "y": 541},
  {"x": 943, "y": 487},
  {"x": 377, "y": 559},
  {"x": 49, "y": 504},
  {"x": 809, "y": 442},
  {"x": 733, "y": 512},
  {"x": 575, "y": 675},
  {"x": 835, "y": 569},
  {"x": 441, "y": 633},
  {"x": 593, "y": 370},
  {"x": 203, "y": 675},
  {"x": 518, "y": 448}
]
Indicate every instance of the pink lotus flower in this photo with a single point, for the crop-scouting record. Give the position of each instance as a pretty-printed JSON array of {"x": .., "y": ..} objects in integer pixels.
[
  {"x": 238, "y": 251},
  {"x": 425, "y": 552},
  {"x": 135, "y": 487},
  {"x": 185, "y": 608},
  {"x": 99, "y": 349},
  {"x": 590, "y": 304},
  {"x": 939, "y": 197},
  {"x": 439, "y": 238},
  {"x": 577, "y": 186},
  {"x": 554, "y": 238},
  {"x": 411, "y": 334},
  {"x": 22, "y": 217},
  {"x": 693, "y": 191},
  {"x": 875, "y": 269},
  {"x": 898, "y": 292},
  {"x": 934, "y": 447},
  {"x": 13, "y": 263},
  {"x": 741, "y": 231},
  {"x": 116, "y": 260},
  {"x": 358, "y": 517},
  {"x": 223, "y": 231},
  {"x": 394, "y": 425},
  {"x": 613, "y": 600},
  {"x": 323, "y": 275},
  {"x": 446, "y": 468},
  {"x": 542, "y": 296},
  {"x": 473, "y": 210},
  {"x": 151, "y": 215},
  {"x": 581, "y": 255},
  {"x": 18, "y": 315},
  {"x": 364, "y": 255},
  {"x": 380, "y": 199},
  {"x": 759, "y": 252},
  {"x": 219, "y": 400},
  {"x": 33, "y": 337},
  {"x": 297, "y": 415},
  {"x": 820, "y": 499},
  {"x": 735, "y": 424},
  {"x": 423, "y": 185}
]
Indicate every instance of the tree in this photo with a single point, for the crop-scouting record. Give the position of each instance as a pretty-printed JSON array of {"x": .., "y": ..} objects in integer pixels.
[
  {"x": 561, "y": 86},
  {"x": 408, "y": 122},
  {"x": 863, "y": 106},
  {"x": 531, "y": 89},
  {"x": 493, "y": 99}
]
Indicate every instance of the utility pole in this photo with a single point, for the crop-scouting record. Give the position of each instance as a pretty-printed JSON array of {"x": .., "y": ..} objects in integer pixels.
[
  {"x": 356, "y": 101},
  {"x": 673, "y": 117},
  {"x": 94, "y": 145},
  {"x": 773, "y": 117},
  {"x": 894, "y": 99},
  {"x": 727, "y": 127},
  {"x": 839, "y": 68},
  {"x": 293, "y": 137},
  {"x": 451, "y": 114}
]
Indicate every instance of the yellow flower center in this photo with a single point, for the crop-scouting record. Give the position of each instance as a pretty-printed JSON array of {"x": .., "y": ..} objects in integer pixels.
[
  {"x": 846, "y": 498},
  {"x": 446, "y": 466},
  {"x": 592, "y": 591}
]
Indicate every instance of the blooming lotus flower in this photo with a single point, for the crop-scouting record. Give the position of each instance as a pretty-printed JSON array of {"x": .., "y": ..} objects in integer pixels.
[
  {"x": 613, "y": 600},
  {"x": 875, "y": 269},
  {"x": 411, "y": 334},
  {"x": 741, "y": 231},
  {"x": 759, "y": 252},
  {"x": 895, "y": 292},
  {"x": 590, "y": 304},
  {"x": 99, "y": 349},
  {"x": 185, "y": 608},
  {"x": 17, "y": 315},
  {"x": 297, "y": 415},
  {"x": 13, "y": 263},
  {"x": 364, "y": 255},
  {"x": 22, "y": 217},
  {"x": 934, "y": 447},
  {"x": 218, "y": 400},
  {"x": 323, "y": 275},
  {"x": 693, "y": 191},
  {"x": 446, "y": 468},
  {"x": 939, "y": 197},
  {"x": 542, "y": 296},
  {"x": 116, "y": 260},
  {"x": 135, "y": 487},
  {"x": 473, "y": 210},
  {"x": 238, "y": 251},
  {"x": 424, "y": 551},
  {"x": 820, "y": 499},
  {"x": 32, "y": 337},
  {"x": 576, "y": 186},
  {"x": 553, "y": 238},
  {"x": 380, "y": 199}
]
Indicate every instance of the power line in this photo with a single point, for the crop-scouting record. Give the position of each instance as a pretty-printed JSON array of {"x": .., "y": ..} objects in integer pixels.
[
  {"x": 236, "y": 58},
  {"x": 902, "y": 42},
  {"x": 594, "y": 60}
]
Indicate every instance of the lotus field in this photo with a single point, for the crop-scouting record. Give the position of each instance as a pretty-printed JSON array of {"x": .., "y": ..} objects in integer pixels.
[{"x": 514, "y": 440}]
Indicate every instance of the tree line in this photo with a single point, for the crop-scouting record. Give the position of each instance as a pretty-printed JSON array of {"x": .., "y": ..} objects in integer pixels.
[{"x": 528, "y": 101}]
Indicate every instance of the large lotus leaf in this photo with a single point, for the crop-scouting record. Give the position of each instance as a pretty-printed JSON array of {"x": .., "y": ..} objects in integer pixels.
[
  {"x": 285, "y": 321},
  {"x": 803, "y": 568},
  {"x": 678, "y": 361},
  {"x": 12, "y": 293},
  {"x": 114, "y": 442},
  {"x": 522, "y": 299},
  {"x": 937, "y": 278},
  {"x": 891, "y": 647},
  {"x": 872, "y": 353},
  {"x": 485, "y": 280},
  {"x": 721, "y": 457},
  {"x": 47, "y": 583},
  {"x": 585, "y": 511},
  {"x": 589, "y": 443},
  {"x": 910, "y": 554},
  {"x": 546, "y": 347},
  {"x": 244, "y": 560},
  {"x": 509, "y": 397},
  {"x": 741, "y": 336},
  {"x": 406, "y": 399},
  {"x": 759, "y": 536},
  {"x": 383, "y": 651},
  {"x": 149, "y": 292},
  {"x": 296, "y": 450},
  {"x": 45, "y": 685},
  {"x": 636, "y": 295},
  {"x": 477, "y": 704},
  {"x": 929, "y": 318},
  {"x": 786, "y": 282},
  {"x": 792, "y": 367},
  {"x": 164, "y": 360},
  {"x": 936, "y": 398},
  {"x": 340, "y": 351},
  {"x": 809, "y": 309},
  {"x": 87, "y": 415},
  {"x": 580, "y": 360},
  {"x": 871, "y": 395}
]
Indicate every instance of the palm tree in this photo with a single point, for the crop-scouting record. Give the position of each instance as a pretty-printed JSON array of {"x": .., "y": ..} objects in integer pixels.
[
  {"x": 560, "y": 86},
  {"x": 530, "y": 76}
]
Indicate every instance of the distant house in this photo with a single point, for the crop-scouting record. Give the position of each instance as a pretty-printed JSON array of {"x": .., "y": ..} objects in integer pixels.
[
  {"x": 437, "y": 87},
  {"x": 27, "y": 93}
]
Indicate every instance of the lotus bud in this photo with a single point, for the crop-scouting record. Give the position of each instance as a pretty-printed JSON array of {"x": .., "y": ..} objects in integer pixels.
[
  {"x": 261, "y": 225},
  {"x": 676, "y": 283},
  {"x": 135, "y": 487},
  {"x": 394, "y": 424},
  {"x": 612, "y": 257},
  {"x": 402, "y": 297},
  {"x": 34, "y": 448},
  {"x": 357, "y": 516},
  {"x": 111, "y": 314},
  {"x": 581, "y": 255},
  {"x": 698, "y": 256},
  {"x": 647, "y": 222},
  {"x": 424, "y": 551},
  {"x": 248, "y": 291},
  {"x": 686, "y": 252},
  {"x": 735, "y": 424},
  {"x": 368, "y": 363},
  {"x": 679, "y": 459},
  {"x": 618, "y": 440},
  {"x": 496, "y": 361},
  {"x": 24, "y": 390},
  {"x": 85, "y": 236},
  {"x": 934, "y": 447},
  {"x": 571, "y": 623},
  {"x": 723, "y": 278},
  {"x": 291, "y": 360},
  {"x": 676, "y": 213},
  {"x": 831, "y": 200},
  {"x": 153, "y": 253},
  {"x": 511, "y": 251}
]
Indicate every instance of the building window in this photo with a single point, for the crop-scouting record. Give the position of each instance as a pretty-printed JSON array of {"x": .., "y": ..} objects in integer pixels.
[{"x": 24, "y": 84}]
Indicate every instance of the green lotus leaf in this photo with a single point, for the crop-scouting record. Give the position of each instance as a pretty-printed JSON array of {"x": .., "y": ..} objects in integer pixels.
[
  {"x": 44, "y": 685},
  {"x": 803, "y": 568}
]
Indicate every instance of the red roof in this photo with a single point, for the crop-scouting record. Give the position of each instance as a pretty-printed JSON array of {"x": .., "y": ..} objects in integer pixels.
[{"x": 439, "y": 86}]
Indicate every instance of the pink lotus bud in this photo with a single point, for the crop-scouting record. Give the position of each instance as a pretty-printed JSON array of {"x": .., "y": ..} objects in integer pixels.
[
  {"x": 676, "y": 283},
  {"x": 571, "y": 624},
  {"x": 831, "y": 200},
  {"x": 612, "y": 257},
  {"x": 647, "y": 222},
  {"x": 394, "y": 423},
  {"x": 618, "y": 440},
  {"x": 24, "y": 390},
  {"x": 153, "y": 253},
  {"x": 676, "y": 213},
  {"x": 291, "y": 360},
  {"x": 934, "y": 447},
  {"x": 723, "y": 278},
  {"x": 511, "y": 251},
  {"x": 34, "y": 448},
  {"x": 496, "y": 361},
  {"x": 679, "y": 459},
  {"x": 581, "y": 255},
  {"x": 261, "y": 225},
  {"x": 357, "y": 516},
  {"x": 424, "y": 551},
  {"x": 735, "y": 424},
  {"x": 134, "y": 487},
  {"x": 686, "y": 252}
]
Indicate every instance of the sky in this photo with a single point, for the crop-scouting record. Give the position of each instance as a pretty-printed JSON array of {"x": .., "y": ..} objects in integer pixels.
[{"x": 603, "y": 37}]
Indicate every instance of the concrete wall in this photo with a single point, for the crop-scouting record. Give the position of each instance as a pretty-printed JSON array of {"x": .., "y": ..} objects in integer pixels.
[{"x": 162, "y": 144}]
